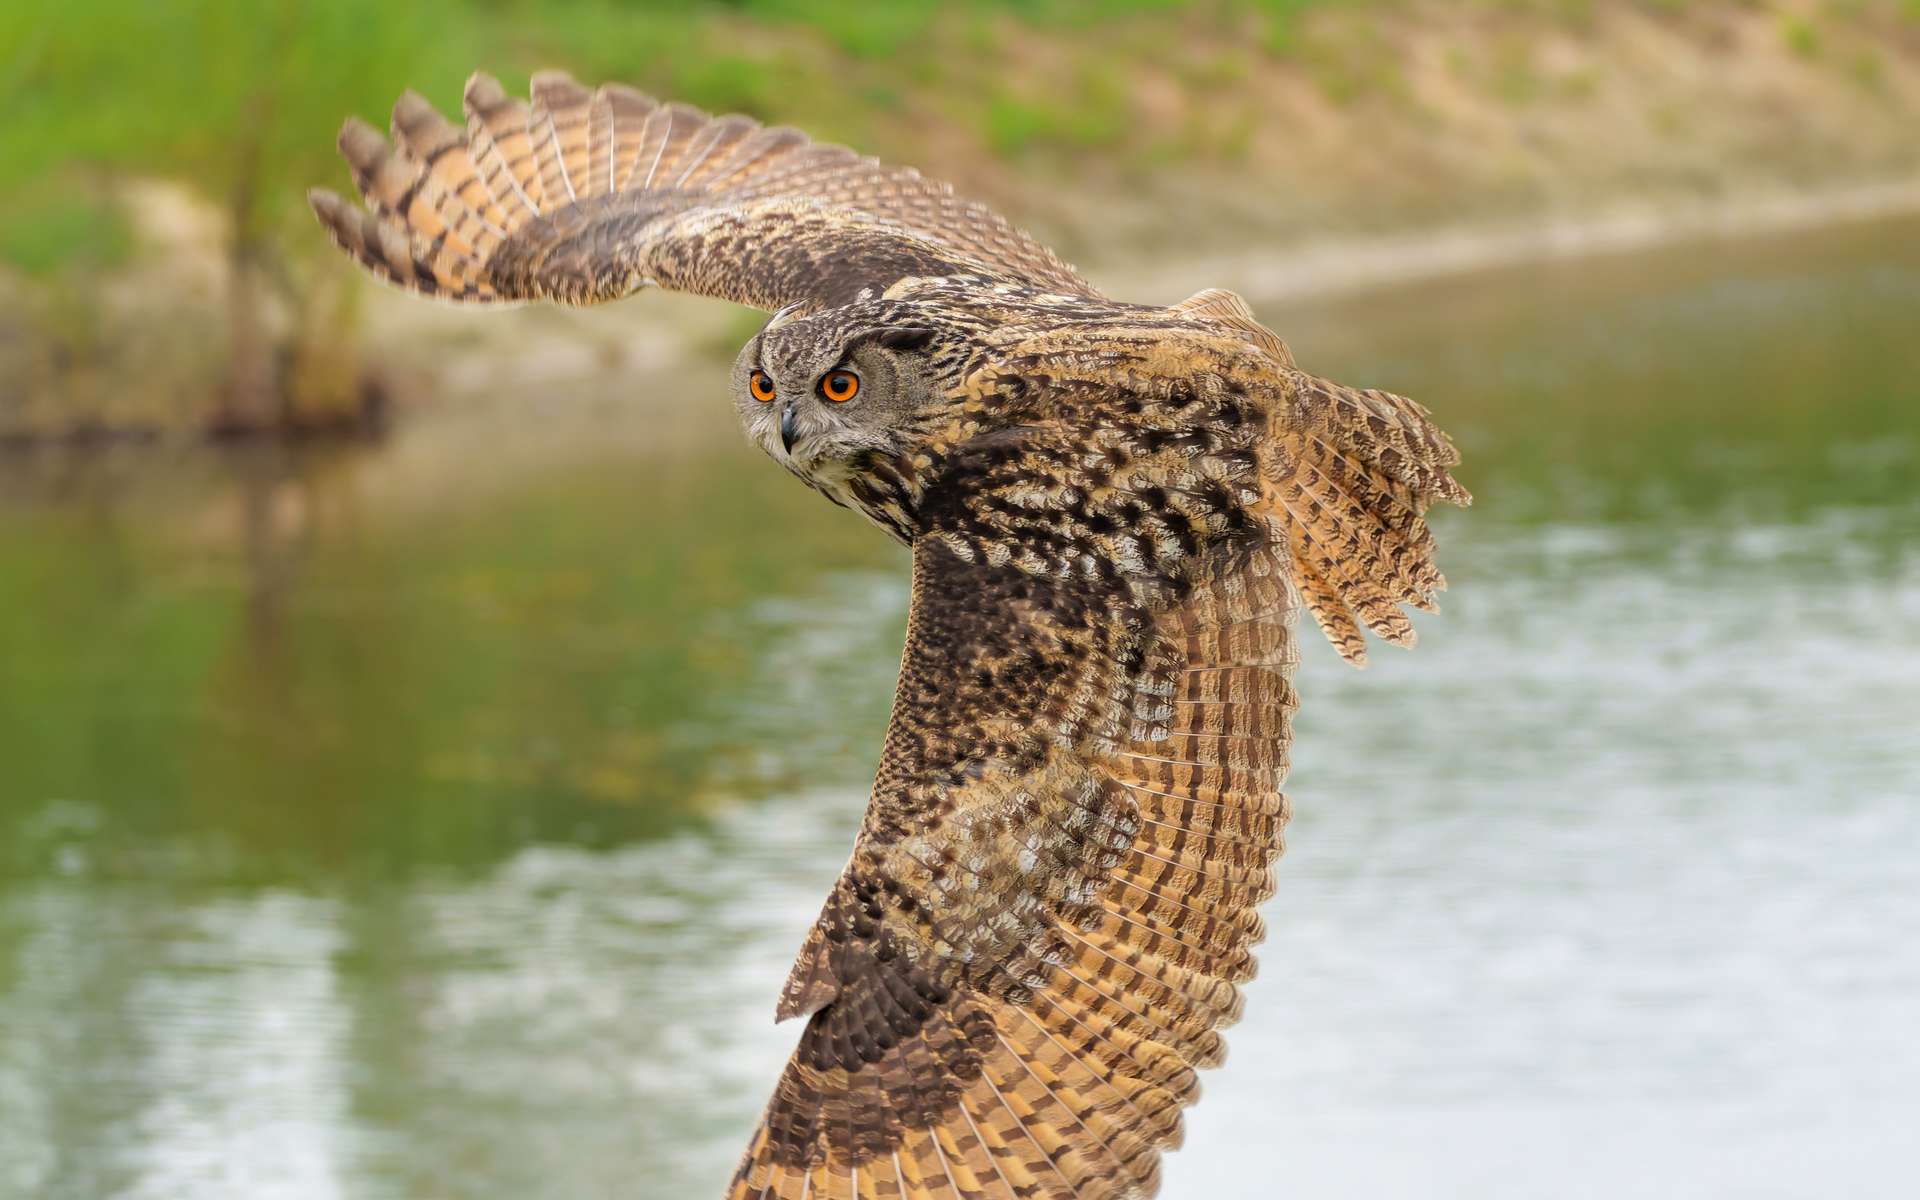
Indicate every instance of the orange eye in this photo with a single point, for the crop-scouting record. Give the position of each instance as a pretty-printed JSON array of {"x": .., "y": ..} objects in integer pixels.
[
  {"x": 840, "y": 386},
  {"x": 761, "y": 385}
]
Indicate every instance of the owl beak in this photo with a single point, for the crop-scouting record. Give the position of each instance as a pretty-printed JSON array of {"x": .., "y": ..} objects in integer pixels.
[{"x": 786, "y": 428}]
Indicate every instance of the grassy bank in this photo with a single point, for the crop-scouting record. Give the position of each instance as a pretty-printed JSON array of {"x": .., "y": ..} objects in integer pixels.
[{"x": 1125, "y": 130}]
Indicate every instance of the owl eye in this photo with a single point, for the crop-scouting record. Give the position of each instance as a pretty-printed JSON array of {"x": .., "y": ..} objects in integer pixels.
[
  {"x": 840, "y": 386},
  {"x": 761, "y": 385}
]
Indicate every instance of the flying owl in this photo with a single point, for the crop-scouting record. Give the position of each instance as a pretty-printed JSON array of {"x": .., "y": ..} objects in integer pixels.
[{"x": 1114, "y": 510}]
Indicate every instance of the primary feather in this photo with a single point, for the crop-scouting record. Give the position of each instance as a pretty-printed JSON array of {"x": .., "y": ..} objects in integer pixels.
[{"x": 584, "y": 196}]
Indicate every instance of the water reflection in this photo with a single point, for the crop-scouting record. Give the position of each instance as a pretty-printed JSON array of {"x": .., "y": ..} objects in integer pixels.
[
  {"x": 610, "y": 1007},
  {"x": 203, "y": 1039},
  {"x": 441, "y": 821},
  {"x": 295, "y": 679}
]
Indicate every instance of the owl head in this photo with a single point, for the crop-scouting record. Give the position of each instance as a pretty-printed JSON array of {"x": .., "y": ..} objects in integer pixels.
[{"x": 817, "y": 393}]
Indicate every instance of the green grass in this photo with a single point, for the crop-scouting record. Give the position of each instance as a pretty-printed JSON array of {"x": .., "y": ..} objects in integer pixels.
[
  {"x": 1516, "y": 81},
  {"x": 1282, "y": 23},
  {"x": 1868, "y": 68},
  {"x": 1092, "y": 113},
  {"x": 1801, "y": 35},
  {"x": 58, "y": 229}
]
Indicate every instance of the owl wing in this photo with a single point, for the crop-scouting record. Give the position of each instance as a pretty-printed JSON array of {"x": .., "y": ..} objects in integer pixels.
[
  {"x": 1044, "y": 921},
  {"x": 586, "y": 196}
]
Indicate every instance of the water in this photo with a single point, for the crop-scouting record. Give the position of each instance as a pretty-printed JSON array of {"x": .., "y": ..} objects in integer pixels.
[{"x": 440, "y": 820}]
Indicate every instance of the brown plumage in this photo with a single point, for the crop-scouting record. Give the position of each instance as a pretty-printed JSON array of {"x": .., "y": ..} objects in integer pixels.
[{"x": 1115, "y": 511}]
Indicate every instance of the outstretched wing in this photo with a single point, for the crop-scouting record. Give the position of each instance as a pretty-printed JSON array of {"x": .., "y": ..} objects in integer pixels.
[
  {"x": 1042, "y": 927},
  {"x": 587, "y": 196}
]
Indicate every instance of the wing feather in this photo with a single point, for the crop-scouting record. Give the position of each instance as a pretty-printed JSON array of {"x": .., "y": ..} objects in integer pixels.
[
  {"x": 557, "y": 128},
  {"x": 501, "y": 145},
  {"x": 584, "y": 196},
  {"x": 1105, "y": 996}
]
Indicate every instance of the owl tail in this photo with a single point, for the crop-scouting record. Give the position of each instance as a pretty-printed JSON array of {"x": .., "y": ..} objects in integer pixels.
[{"x": 1352, "y": 483}]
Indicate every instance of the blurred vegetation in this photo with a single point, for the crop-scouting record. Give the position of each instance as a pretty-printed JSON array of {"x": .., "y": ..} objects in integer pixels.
[
  {"x": 238, "y": 101},
  {"x": 236, "y": 98}
]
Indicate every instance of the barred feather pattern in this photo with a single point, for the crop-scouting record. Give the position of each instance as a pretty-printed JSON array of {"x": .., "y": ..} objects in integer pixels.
[
  {"x": 1013, "y": 986},
  {"x": 584, "y": 196},
  {"x": 1045, "y": 922},
  {"x": 1355, "y": 474}
]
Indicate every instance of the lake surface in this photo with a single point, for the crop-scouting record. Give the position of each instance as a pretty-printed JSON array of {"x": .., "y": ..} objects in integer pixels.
[{"x": 440, "y": 820}]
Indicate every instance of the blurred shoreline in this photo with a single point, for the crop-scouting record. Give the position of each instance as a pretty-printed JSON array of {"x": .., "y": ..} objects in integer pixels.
[
  {"x": 1341, "y": 265},
  {"x": 422, "y": 354}
]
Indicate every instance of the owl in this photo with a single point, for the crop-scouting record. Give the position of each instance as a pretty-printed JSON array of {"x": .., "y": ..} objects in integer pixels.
[{"x": 1115, "y": 512}]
